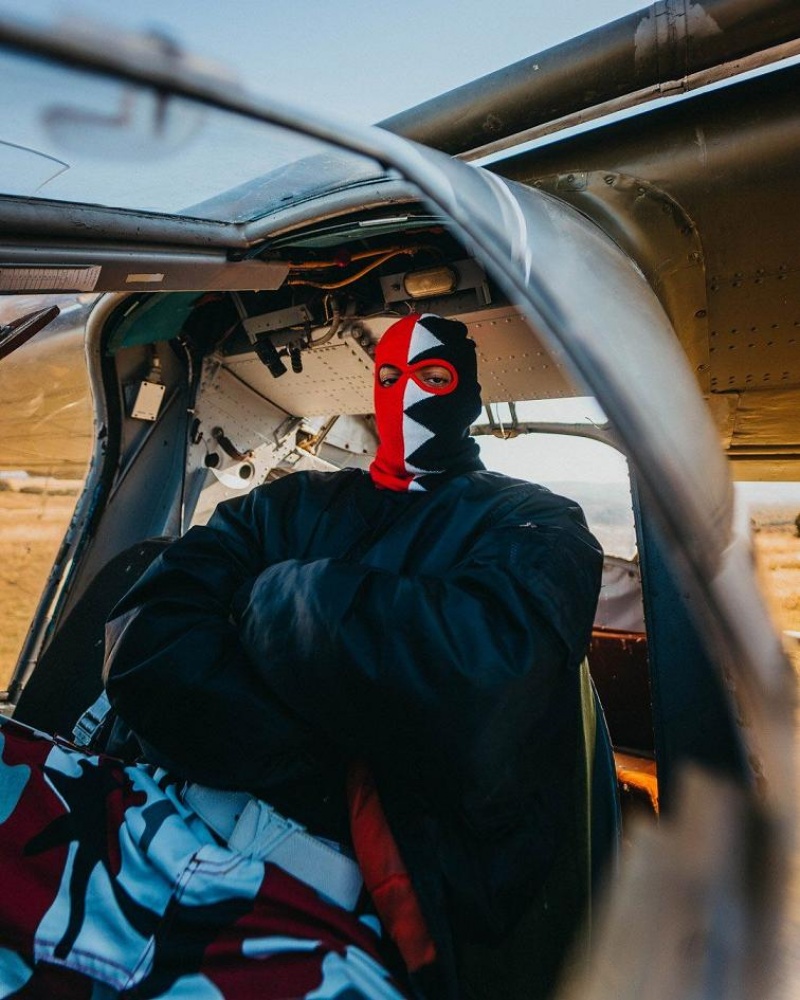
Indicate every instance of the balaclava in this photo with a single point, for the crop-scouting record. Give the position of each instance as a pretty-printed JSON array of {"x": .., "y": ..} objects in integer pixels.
[{"x": 424, "y": 430}]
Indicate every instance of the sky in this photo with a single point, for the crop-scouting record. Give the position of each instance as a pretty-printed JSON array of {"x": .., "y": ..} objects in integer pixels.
[{"x": 365, "y": 59}]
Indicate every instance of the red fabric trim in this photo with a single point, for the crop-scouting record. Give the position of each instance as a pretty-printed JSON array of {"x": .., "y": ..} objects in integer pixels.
[{"x": 385, "y": 875}]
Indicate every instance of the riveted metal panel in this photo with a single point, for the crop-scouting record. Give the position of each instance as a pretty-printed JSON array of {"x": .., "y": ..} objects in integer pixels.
[
  {"x": 512, "y": 362},
  {"x": 754, "y": 328},
  {"x": 659, "y": 235},
  {"x": 337, "y": 377}
]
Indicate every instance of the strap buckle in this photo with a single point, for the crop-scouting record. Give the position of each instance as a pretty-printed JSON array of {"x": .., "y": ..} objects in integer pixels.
[
  {"x": 260, "y": 830},
  {"x": 253, "y": 828}
]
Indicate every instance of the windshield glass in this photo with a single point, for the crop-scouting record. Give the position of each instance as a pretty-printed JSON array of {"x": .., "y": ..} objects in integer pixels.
[{"x": 72, "y": 136}]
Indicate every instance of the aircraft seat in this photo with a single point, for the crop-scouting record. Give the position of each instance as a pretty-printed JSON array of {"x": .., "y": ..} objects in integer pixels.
[{"x": 68, "y": 677}]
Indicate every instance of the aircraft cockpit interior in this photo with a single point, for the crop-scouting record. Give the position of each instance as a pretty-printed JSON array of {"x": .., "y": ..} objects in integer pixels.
[{"x": 205, "y": 395}]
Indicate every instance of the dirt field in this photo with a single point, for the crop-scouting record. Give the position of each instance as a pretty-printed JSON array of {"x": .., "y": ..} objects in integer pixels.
[
  {"x": 32, "y": 526},
  {"x": 778, "y": 549}
]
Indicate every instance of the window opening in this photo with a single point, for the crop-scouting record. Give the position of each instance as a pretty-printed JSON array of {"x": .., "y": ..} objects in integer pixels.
[
  {"x": 45, "y": 445},
  {"x": 588, "y": 471}
]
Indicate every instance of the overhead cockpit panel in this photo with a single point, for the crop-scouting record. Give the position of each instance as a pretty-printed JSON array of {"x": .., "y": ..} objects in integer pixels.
[{"x": 337, "y": 377}]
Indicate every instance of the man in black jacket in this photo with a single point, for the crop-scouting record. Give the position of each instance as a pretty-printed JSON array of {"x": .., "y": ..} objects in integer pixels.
[
  {"x": 421, "y": 627},
  {"x": 429, "y": 618}
]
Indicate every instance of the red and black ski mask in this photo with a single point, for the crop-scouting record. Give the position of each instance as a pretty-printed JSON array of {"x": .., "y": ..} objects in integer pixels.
[{"x": 424, "y": 429}]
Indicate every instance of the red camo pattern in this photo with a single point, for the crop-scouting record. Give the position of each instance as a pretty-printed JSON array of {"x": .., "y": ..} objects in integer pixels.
[{"x": 281, "y": 942}]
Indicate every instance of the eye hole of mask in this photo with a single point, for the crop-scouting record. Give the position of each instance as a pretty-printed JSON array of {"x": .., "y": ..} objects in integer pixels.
[{"x": 433, "y": 375}]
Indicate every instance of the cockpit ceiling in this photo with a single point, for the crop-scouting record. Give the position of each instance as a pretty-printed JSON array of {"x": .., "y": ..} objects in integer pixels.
[{"x": 337, "y": 377}]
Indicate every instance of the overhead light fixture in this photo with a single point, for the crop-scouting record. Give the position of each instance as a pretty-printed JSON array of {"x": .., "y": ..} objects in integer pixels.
[
  {"x": 431, "y": 282},
  {"x": 453, "y": 278}
]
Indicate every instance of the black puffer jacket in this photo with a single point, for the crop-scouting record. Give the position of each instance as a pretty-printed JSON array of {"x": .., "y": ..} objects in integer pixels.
[{"x": 436, "y": 635}]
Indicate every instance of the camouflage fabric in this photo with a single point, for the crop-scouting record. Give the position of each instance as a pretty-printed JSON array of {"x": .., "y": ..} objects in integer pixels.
[{"x": 112, "y": 886}]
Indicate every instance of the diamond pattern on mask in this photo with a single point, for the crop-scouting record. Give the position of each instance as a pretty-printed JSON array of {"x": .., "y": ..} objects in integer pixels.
[
  {"x": 421, "y": 340},
  {"x": 414, "y": 437}
]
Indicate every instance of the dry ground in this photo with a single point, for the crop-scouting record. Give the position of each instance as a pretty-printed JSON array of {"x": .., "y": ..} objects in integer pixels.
[
  {"x": 778, "y": 549},
  {"x": 32, "y": 526}
]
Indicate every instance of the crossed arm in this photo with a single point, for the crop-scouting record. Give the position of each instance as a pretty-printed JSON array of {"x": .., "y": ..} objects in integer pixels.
[{"x": 259, "y": 664}]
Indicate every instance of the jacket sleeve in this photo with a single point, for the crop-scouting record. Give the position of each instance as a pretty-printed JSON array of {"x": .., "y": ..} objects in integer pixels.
[
  {"x": 175, "y": 670},
  {"x": 442, "y": 676}
]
